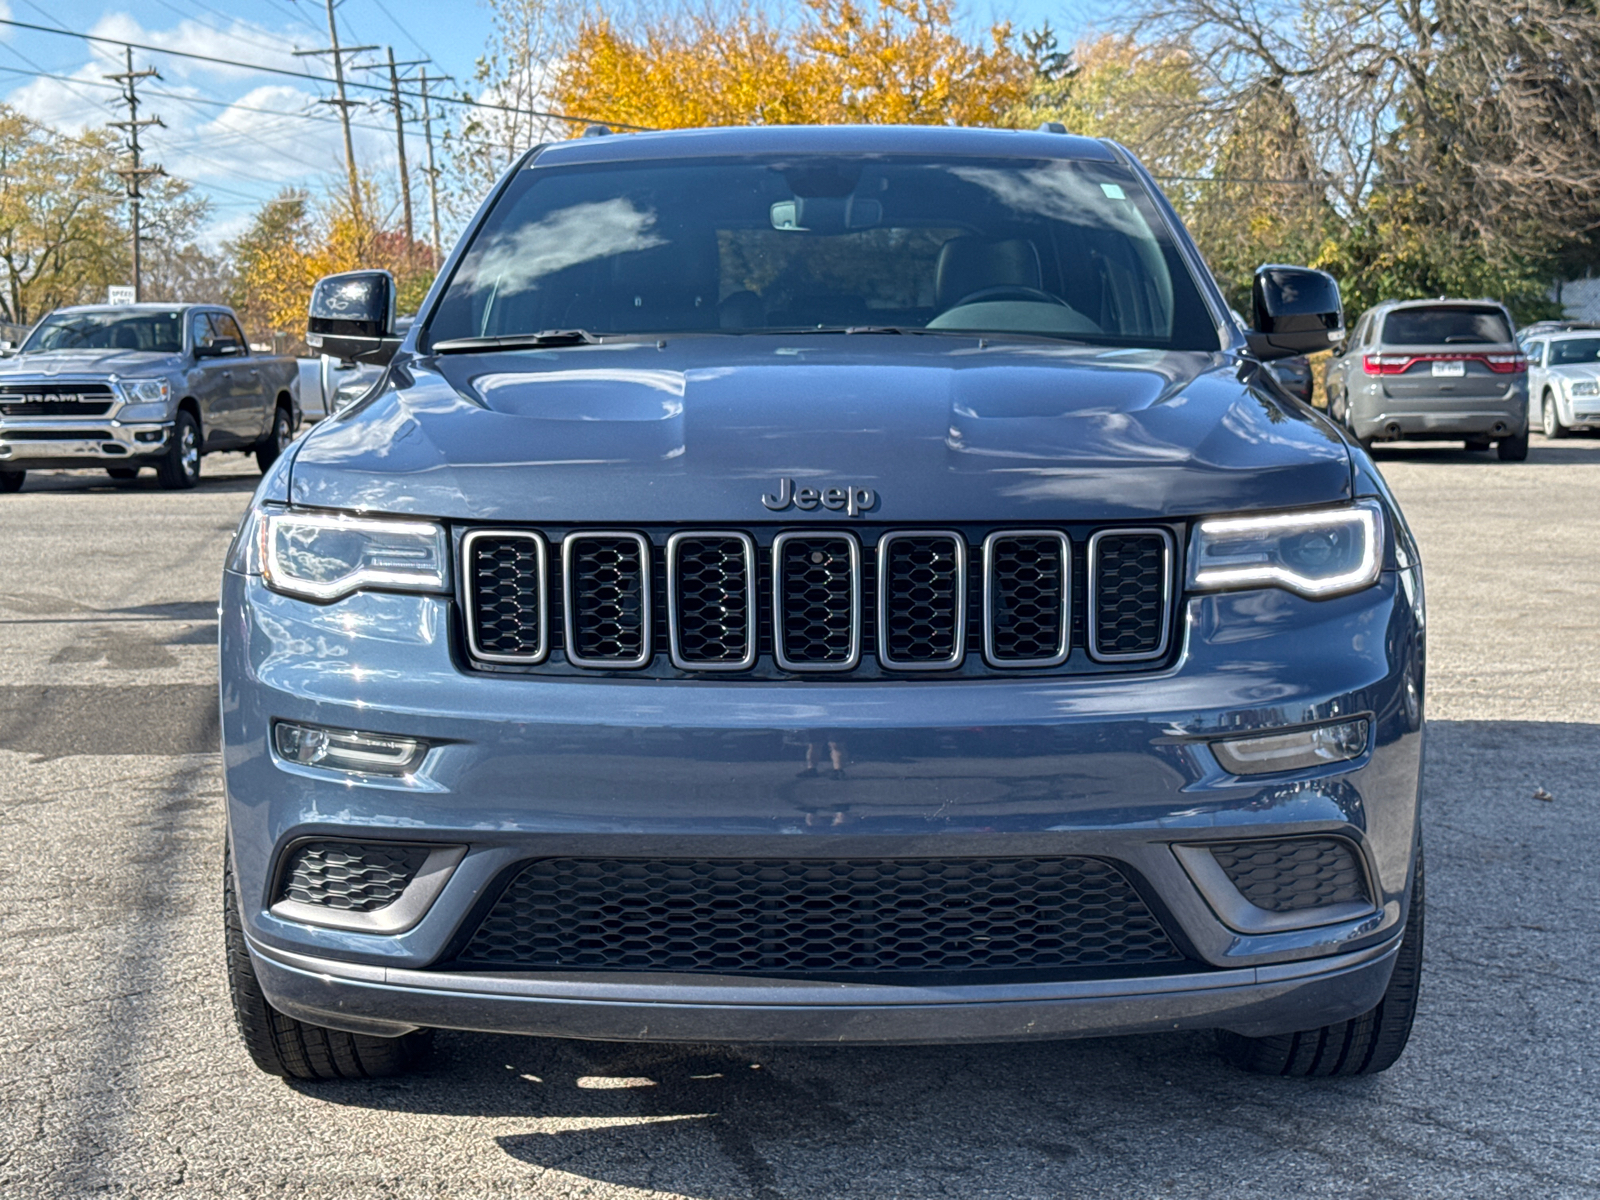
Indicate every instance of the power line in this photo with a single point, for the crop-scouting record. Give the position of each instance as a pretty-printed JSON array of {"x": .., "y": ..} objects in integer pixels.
[
  {"x": 342, "y": 102},
  {"x": 573, "y": 118}
]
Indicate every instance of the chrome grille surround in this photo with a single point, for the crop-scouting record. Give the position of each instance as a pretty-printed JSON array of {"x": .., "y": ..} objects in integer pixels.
[
  {"x": 892, "y": 608},
  {"x": 783, "y": 616},
  {"x": 992, "y": 600},
  {"x": 573, "y": 577},
  {"x": 1093, "y": 629},
  {"x": 472, "y": 602},
  {"x": 676, "y": 579}
]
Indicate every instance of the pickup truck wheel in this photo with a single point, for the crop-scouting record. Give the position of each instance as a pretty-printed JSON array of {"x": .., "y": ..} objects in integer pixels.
[
  {"x": 276, "y": 442},
  {"x": 123, "y": 473},
  {"x": 1364, "y": 1045},
  {"x": 179, "y": 468},
  {"x": 1553, "y": 428},
  {"x": 291, "y": 1049},
  {"x": 1513, "y": 449},
  {"x": 11, "y": 481}
]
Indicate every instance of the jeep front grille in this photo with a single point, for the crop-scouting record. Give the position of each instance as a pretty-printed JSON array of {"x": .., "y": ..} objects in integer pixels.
[
  {"x": 1130, "y": 575},
  {"x": 510, "y": 616},
  {"x": 816, "y": 614},
  {"x": 819, "y": 916},
  {"x": 1028, "y": 607},
  {"x": 711, "y": 600},
  {"x": 870, "y": 601},
  {"x": 608, "y": 599},
  {"x": 922, "y": 600}
]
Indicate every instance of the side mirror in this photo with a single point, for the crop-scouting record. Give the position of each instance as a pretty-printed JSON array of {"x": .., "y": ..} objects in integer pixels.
[
  {"x": 1297, "y": 311},
  {"x": 352, "y": 317}
]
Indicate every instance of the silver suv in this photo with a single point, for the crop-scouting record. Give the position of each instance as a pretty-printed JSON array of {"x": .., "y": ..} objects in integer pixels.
[{"x": 1433, "y": 370}]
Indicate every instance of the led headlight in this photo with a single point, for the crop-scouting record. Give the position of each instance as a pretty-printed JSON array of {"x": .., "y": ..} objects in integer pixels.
[
  {"x": 1295, "y": 750},
  {"x": 1317, "y": 554},
  {"x": 144, "y": 399},
  {"x": 1584, "y": 387},
  {"x": 322, "y": 556}
]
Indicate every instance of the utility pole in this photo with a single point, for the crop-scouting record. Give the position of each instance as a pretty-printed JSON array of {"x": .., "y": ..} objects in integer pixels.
[
  {"x": 400, "y": 136},
  {"x": 135, "y": 173},
  {"x": 433, "y": 172},
  {"x": 340, "y": 101}
]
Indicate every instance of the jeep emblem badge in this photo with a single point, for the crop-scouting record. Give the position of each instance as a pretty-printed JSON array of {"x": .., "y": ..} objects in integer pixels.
[{"x": 850, "y": 499}]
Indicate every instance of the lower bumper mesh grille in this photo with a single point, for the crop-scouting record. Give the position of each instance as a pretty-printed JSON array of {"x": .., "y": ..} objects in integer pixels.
[
  {"x": 350, "y": 876},
  {"x": 819, "y": 916},
  {"x": 1291, "y": 874}
]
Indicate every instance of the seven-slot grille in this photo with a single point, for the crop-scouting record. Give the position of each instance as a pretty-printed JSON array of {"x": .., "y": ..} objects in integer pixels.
[
  {"x": 811, "y": 601},
  {"x": 817, "y": 916}
]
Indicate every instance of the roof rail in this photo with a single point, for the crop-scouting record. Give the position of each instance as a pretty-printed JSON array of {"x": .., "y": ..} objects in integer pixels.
[{"x": 596, "y": 130}]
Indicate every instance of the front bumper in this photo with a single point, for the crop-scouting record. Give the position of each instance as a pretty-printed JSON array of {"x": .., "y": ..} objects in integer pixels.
[
  {"x": 387, "y": 1002},
  {"x": 1107, "y": 767},
  {"x": 38, "y": 443}
]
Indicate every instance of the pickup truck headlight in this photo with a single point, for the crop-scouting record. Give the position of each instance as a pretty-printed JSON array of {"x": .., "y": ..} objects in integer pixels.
[
  {"x": 1584, "y": 387},
  {"x": 1317, "y": 554},
  {"x": 326, "y": 556},
  {"x": 144, "y": 399}
]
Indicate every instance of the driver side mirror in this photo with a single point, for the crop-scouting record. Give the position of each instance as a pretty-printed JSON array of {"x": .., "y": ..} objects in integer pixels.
[
  {"x": 352, "y": 317},
  {"x": 1296, "y": 311}
]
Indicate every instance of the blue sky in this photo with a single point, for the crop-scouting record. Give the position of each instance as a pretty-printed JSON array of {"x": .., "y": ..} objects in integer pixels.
[{"x": 240, "y": 135}]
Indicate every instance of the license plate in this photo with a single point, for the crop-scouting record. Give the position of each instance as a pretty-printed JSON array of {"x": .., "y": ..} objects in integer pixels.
[{"x": 1449, "y": 370}]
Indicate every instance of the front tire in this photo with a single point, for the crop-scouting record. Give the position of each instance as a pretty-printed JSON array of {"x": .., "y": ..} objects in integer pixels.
[
  {"x": 11, "y": 481},
  {"x": 291, "y": 1049},
  {"x": 1363, "y": 1045},
  {"x": 1513, "y": 449},
  {"x": 179, "y": 467},
  {"x": 277, "y": 441},
  {"x": 1553, "y": 428}
]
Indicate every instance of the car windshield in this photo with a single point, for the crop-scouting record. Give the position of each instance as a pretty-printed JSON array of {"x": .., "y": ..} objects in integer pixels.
[
  {"x": 158, "y": 332},
  {"x": 1445, "y": 326},
  {"x": 1073, "y": 250},
  {"x": 1574, "y": 350}
]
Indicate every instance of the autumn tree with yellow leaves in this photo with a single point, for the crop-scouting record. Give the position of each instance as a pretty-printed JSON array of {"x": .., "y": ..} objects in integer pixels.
[
  {"x": 295, "y": 239},
  {"x": 878, "y": 62}
]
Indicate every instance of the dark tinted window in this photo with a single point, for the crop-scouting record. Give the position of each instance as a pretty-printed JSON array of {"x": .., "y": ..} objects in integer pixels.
[
  {"x": 1444, "y": 326},
  {"x": 161, "y": 333},
  {"x": 1068, "y": 249},
  {"x": 1574, "y": 350}
]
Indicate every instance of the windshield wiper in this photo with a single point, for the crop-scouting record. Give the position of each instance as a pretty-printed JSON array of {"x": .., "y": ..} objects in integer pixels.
[{"x": 516, "y": 341}]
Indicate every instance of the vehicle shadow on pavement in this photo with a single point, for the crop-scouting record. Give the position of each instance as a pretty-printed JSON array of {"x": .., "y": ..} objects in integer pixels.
[
  {"x": 1579, "y": 450},
  {"x": 1510, "y": 809}
]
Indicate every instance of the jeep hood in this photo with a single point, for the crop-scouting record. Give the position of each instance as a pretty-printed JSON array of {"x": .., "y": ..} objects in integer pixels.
[{"x": 941, "y": 429}]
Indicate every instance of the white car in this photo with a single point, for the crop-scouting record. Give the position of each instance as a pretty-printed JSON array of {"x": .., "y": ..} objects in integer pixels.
[{"x": 1564, "y": 380}]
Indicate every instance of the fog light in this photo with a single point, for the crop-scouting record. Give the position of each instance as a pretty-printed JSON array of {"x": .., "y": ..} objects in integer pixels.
[
  {"x": 148, "y": 435},
  {"x": 1294, "y": 750},
  {"x": 347, "y": 749}
]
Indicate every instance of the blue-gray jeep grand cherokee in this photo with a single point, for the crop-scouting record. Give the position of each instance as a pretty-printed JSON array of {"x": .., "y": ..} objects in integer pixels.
[{"x": 824, "y": 585}]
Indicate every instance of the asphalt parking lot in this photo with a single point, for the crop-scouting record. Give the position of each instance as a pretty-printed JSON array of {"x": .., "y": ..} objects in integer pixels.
[{"x": 120, "y": 1073}]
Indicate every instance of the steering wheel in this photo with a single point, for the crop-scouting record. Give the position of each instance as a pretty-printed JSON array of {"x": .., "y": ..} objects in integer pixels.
[{"x": 1009, "y": 291}]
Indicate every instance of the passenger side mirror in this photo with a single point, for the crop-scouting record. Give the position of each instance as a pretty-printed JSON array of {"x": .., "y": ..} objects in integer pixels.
[
  {"x": 352, "y": 317},
  {"x": 1296, "y": 311}
]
